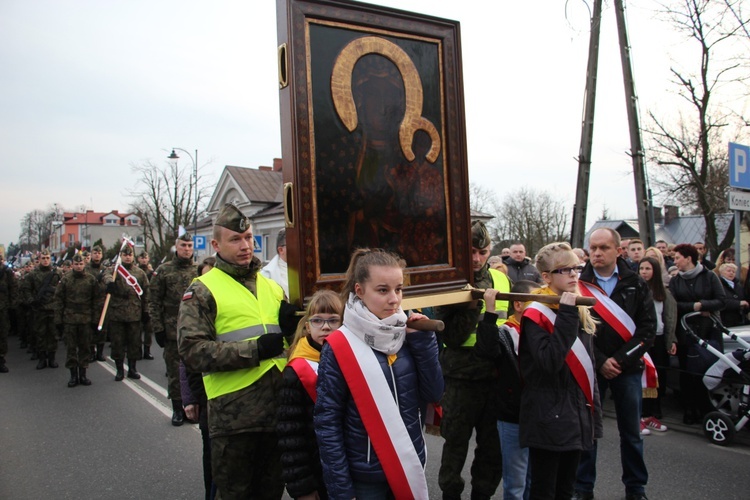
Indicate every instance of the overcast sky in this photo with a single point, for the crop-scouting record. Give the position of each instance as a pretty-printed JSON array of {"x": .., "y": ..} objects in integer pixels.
[{"x": 88, "y": 88}]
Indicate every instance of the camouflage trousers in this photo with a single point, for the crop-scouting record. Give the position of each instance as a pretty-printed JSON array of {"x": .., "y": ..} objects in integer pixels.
[
  {"x": 172, "y": 360},
  {"x": 45, "y": 331},
  {"x": 77, "y": 342},
  {"x": 125, "y": 338},
  {"x": 247, "y": 465},
  {"x": 469, "y": 405},
  {"x": 147, "y": 330},
  {"x": 4, "y": 329}
]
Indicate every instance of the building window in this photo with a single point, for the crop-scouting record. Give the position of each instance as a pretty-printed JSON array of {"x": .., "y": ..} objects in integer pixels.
[{"x": 139, "y": 240}]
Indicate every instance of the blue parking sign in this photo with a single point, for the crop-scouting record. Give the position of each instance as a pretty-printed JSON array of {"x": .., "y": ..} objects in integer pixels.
[
  {"x": 739, "y": 174},
  {"x": 199, "y": 242},
  {"x": 258, "y": 243}
]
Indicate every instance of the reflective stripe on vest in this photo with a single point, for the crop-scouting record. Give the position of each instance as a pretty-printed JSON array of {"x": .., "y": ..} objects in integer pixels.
[
  {"x": 241, "y": 316},
  {"x": 501, "y": 283}
]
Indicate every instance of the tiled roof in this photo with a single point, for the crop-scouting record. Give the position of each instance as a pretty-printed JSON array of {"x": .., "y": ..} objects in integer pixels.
[{"x": 259, "y": 185}]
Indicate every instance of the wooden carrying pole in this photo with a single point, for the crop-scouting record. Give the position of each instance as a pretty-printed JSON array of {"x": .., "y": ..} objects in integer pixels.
[{"x": 533, "y": 297}]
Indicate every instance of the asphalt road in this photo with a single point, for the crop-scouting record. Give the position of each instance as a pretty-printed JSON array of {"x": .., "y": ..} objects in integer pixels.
[{"x": 115, "y": 441}]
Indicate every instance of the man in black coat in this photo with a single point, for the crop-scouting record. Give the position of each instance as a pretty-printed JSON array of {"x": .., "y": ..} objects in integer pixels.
[{"x": 618, "y": 361}]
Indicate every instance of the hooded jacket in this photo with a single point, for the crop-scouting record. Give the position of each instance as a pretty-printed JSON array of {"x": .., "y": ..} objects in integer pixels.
[{"x": 524, "y": 270}]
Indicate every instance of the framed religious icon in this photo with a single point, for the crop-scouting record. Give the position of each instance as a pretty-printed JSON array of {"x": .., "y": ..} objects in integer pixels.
[{"x": 373, "y": 143}]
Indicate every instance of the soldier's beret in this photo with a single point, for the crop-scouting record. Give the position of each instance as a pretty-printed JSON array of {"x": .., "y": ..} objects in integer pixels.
[
  {"x": 480, "y": 237},
  {"x": 78, "y": 258},
  {"x": 44, "y": 252},
  {"x": 97, "y": 248},
  {"x": 231, "y": 218},
  {"x": 127, "y": 250},
  {"x": 143, "y": 254},
  {"x": 85, "y": 253},
  {"x": 185, "y": 237}
]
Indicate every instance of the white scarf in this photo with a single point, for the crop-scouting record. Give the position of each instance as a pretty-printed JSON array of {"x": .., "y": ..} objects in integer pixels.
[{"x": 384, "y": 335}]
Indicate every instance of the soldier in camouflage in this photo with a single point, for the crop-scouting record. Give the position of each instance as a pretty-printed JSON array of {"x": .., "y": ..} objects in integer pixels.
[
  {"x": 8, "y": 299},
  {"x": 471, "y": 400},
  {"x": 96, "y": 269},
  {"x": 75, "y": 315},
  {"x": 144, "y": 264},
  {"x": 128, "y": 308},
  {"x": 231, "y": 327},
  {"x": 39, "y": 292},
  {"x": 168, "y": 285}
]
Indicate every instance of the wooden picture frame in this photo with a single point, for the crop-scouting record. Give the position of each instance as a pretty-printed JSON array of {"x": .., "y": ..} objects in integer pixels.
[{"x": 373, "y": 143}]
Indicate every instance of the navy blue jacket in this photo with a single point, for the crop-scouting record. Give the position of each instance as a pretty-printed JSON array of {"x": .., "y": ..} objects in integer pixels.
[{"x": 346, "y": 452}]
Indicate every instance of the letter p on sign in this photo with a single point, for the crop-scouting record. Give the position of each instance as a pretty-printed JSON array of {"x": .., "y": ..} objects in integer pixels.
[{"x": 738, "y": 172}]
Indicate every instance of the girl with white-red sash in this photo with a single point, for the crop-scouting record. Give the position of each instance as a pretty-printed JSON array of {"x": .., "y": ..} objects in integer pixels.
[
  {"x": 375, "y": 374},
  {"x": 300, "y": 458},
  {"x": 560, "y": 408}
]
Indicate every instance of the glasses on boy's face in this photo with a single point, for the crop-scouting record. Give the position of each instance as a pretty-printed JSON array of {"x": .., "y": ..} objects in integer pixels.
[
  {"x": 568, "y": 270},
  {"x": 319, "y": 322}
]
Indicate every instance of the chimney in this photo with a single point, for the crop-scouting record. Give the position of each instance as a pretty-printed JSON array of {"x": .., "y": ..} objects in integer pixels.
[
  {"x": 671, "y": 212},
  {"x": 277, "y": 164},
  {"x": 658, "y": 216}
]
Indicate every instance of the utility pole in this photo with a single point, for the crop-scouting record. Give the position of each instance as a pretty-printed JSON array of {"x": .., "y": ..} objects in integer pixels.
[
  {"x": 645, "y": 215},
  {"x": 578, "y": 228}
]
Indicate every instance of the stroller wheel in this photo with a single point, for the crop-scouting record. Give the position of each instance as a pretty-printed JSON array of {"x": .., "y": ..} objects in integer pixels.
[{"x": 719, "y": 428}]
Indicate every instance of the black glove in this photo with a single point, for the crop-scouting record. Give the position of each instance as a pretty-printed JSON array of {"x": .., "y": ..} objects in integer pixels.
[
  {"x": 270, "y": 345},
  {"x": 288, "y": 319},
  {"x": 161, "y": 338},
  {"x": 111, "y": 288}
]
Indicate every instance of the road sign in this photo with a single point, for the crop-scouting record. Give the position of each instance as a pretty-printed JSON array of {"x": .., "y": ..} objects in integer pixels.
[
  {"x": 739, "y": 173},
  {"x": 739, "y": 200},
  {"x": 258, "y": 243},
  {"x": 199, "y": 242}
]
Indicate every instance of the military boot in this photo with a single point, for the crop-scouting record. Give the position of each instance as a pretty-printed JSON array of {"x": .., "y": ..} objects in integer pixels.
[
  {"x": 51, "y": 360},
  {"x": 82, "y": 376},
  {"x": 132, "y": 372},
  {"x": 73, "y": 377},
  {"x": 99, "y": 352},
  {"x": 92, "y": 357},
  {"x": 147, "y": 352},
  {"x": 178, "y": 413},
  {"x": 120, "y": 371},
  {"x": 42, "y": 360},
  {"x": 34, "y": 355}
]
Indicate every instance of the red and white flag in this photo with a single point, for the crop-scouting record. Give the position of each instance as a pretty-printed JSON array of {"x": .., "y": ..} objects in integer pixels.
[{"x": 129, "y": 279}]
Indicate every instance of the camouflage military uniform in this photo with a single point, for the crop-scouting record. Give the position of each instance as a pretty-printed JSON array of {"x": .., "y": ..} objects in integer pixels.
[
  {"x": 471, "y": 401},
  {"x": 168, "y": 285},
  {"x": 8, "y": 298},
  {"x": 98, "y": 337},
  {"x": 242, "y": 423},
  {"x": 77, "y": 296},
  {"x": 147, "y": 327},
  {"x": 39, "y": 289},
  {"x": 125, "y": 313}
]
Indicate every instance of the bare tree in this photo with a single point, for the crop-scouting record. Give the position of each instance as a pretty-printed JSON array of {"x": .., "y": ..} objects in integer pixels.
[
  {"x": 37, "y": 226},
  {"x": 534, "y": 218},
  {"x": 165, "y": 199},
  {"x": 690, "y": 151}
]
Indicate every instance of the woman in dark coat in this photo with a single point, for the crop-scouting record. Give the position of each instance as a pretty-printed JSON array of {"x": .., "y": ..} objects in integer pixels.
[
  {"x": 736, "y": 304},
  {"x": 695, "y": 288}
]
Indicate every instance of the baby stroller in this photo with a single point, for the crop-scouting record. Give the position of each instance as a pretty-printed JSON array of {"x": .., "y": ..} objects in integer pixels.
[{"x": 727, "y": 379}]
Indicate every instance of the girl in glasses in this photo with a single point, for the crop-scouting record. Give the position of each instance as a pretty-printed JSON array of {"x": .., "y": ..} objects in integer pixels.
[
  {"x": 300, "y": 459},
  {"x": 560, "y": 408},
  {"x": 375, "y": 374}
]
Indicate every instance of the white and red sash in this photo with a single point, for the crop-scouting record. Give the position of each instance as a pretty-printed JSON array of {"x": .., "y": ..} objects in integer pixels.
[
  {"x": 307, "y": 372},
  {"x": 577, "y": 359},
  {"x": 129, "y": 279},
  {"x": 380, "y": 415},
  {"x": 610, "y": 312}
]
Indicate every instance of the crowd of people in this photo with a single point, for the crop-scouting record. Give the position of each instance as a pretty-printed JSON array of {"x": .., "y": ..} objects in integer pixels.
[{"x": 331, "y": 402}]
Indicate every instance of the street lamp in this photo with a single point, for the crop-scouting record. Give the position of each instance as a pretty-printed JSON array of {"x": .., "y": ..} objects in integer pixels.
[{"x": 174, "y": 156}]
